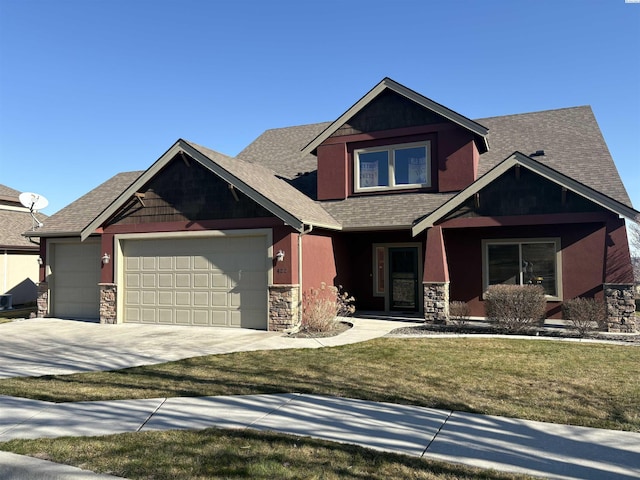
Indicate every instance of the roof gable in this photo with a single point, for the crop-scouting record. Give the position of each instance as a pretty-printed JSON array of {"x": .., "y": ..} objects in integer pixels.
[
  {"x": 351, "y": 115},
  {"x": 255, "y": 181},
  {"x": 544, "y": 171},
  {"x": 571, "y": 140},
  {"x": 184, "y": 190}
]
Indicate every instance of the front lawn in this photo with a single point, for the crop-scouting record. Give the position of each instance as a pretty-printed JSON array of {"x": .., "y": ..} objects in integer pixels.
[
  {"x": 218, "y": 454},
  {"x": 593, "y": 385}
]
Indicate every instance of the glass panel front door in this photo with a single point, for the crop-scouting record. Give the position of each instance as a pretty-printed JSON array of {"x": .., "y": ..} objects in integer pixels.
[{"x": 403, "y": 271}]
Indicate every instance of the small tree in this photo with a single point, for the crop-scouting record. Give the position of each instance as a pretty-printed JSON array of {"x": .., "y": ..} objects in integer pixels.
[{"x": 515, "y": 308}]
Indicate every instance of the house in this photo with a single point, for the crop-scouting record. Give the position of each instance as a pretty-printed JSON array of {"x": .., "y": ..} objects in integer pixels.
[
  {"x": 18, "y": 254},
  {"x": 404, "y": 202}
]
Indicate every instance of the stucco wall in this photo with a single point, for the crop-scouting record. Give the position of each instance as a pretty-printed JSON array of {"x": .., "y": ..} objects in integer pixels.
[
  {"x": 318, "y": 260},
  {"x": 19, "y": 276},
  {"x": 589, "y": 257}
]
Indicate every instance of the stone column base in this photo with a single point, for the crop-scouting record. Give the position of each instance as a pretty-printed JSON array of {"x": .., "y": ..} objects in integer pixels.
[
  {"x": 436, "y": 302},
  {"x": 108, "y": 302},
  {"x": 43, "y": 300},
  {"x": 620, "y": 304},
  {"x": 284, "y": 307}
]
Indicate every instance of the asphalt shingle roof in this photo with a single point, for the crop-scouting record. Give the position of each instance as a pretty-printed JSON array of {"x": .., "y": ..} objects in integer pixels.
[
  {"x": 570, "y": 138},
  {"x": 8, "y": 192},
  {"x": 273, "y": 165},
  {"x": 279, "y": 149},
  {"x": 77, "y": 215},
  {"x": 14, "y": 222},
  {"x": 264, "y": 181},
  {"x": 572, "y": 142}
]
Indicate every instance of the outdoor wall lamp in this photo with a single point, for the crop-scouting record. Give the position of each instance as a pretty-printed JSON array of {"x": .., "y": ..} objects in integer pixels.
[
  {"x": 280, "y": 256},
  {"x": 40, "y": 262},
  {"x": 105, "y": 258}
]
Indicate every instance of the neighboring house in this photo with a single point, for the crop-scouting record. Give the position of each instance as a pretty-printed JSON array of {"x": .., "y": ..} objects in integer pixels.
[
  {"x": 18, "y": 254},
  {"x": 404, "y": 202}
]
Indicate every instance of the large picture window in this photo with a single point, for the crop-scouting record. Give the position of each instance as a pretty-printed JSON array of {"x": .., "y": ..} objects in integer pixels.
[
  {"x": 523, "y": 262},
  {"x": 392, "y": 167}
]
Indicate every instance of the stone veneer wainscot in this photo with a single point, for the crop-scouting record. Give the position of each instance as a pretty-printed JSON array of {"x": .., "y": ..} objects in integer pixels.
[
  {"x": 284, "y": 307},
  {"x": 436, "y": 302}
]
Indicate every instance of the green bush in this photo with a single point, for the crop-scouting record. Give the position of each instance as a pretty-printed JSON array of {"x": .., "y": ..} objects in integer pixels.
[
  {"x": 585, "y": 315},
  {"x": 515, "y": 308}
]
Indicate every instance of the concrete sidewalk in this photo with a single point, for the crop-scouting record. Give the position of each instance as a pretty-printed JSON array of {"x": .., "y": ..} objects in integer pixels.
[{"x": 535, "y": 448}]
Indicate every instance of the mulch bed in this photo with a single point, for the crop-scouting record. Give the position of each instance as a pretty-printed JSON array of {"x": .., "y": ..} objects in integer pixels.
[
  {"x": 337, "y": 330},
  {"x": 552, "y": 332}
]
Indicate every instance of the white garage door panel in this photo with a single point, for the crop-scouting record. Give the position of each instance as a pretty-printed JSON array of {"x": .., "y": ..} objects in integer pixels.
[
  {"x": 74, "y": 280},
  {"x": 215, "y": 281}
]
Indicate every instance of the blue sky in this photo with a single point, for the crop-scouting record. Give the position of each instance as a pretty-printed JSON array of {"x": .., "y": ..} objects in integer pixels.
[{"x": 90, "y": 88}]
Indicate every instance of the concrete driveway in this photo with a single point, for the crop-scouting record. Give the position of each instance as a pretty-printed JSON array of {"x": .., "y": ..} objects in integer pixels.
[{"x": 47, "y": 346}]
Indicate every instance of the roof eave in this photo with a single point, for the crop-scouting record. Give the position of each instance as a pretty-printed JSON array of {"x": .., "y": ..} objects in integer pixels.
[
  {"x": 518, "y": 158},
  {"x": 376, "y": 228},
  {"x": 477, "y": 129},
  {"x": 184, "y": 146}
]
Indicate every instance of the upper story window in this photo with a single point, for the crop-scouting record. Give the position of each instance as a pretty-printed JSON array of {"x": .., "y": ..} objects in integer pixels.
[{"x": 393, "y": 167}]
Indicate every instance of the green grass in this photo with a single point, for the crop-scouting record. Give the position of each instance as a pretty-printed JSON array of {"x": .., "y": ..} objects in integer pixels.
[
  {"x": 593, "y": 385},
  {"x": 213, "y": 454},
  {"x": 583, "y": 384}
]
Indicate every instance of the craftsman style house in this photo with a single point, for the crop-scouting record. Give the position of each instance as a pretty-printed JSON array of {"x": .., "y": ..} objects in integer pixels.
[{"x": 404, "y": 202}]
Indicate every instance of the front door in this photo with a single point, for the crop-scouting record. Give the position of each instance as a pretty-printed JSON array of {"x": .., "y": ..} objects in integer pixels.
[{"x": 403, "y": 272}]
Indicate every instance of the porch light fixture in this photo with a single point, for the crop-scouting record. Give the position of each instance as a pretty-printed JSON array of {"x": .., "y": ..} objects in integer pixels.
[
  {"x": 105, "y": 258},
  {"x": 40, "y": 262},
  {"x": 280, "y": 256}
]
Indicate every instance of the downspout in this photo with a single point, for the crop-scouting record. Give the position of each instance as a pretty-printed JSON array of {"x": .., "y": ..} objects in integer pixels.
[
  {"x": 6, "y": 267},
  {"x": 303, "y": 232}
]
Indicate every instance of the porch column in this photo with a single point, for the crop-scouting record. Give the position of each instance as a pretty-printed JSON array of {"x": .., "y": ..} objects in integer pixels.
[
  {"x": 43, "y": 300},
  {"x": 435, "y": 280},
  {"x": 108, "y": 302},
  {"x": 284, "y": 292},
  {"x": 620, "y": 305}
]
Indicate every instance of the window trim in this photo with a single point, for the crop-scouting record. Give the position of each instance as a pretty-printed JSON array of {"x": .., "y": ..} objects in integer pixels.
[
  {"x": 390, "y": 149},
  {"x": 519, "y": 241}
]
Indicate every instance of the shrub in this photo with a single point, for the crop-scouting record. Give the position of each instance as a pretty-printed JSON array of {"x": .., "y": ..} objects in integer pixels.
[
  {"x": 585, "y": 314},
  {"x": 515, "y": 308},
  {"x": 459, "y": 313},
  {"x": 321, "y": 307}
]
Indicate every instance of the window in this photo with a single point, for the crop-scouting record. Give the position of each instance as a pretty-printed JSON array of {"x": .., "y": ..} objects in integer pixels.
[
  {"x": 392, "y": 167},
  {"x": 523, "y": 262}
]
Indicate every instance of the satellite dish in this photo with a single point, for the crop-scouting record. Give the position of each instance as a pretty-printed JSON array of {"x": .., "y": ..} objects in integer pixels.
[{"x": 33, "y": 202}]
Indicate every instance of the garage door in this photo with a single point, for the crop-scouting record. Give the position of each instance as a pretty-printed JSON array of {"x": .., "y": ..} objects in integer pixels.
[
  {"x": 207, "y": 281},
  {"x": 75, "y": 274}
]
